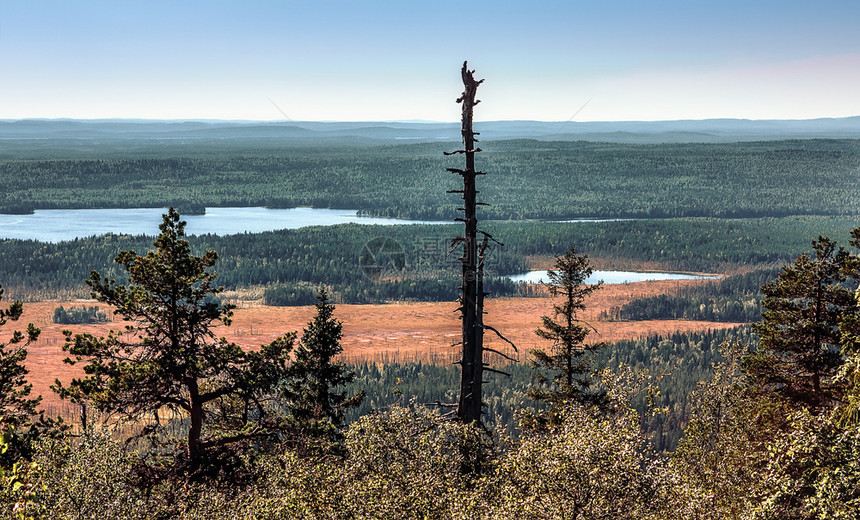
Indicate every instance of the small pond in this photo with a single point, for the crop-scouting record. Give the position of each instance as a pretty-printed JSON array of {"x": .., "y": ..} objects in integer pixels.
[{"x": 613, "y": 277}]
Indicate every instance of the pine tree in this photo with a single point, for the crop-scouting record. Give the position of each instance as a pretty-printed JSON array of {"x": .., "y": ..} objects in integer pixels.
[
  {"x": 799, "y": 351},
  {"x": 316, "y": 407},
  {"x": 21, "y": 421},
  {"x": 169, "y": 358},
  {"x": 569, "y": 357},
  {"x": 17, "y": 408}
]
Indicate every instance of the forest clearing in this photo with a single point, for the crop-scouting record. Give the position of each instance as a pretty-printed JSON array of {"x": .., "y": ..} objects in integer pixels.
[{"x": 402, "y": 332}]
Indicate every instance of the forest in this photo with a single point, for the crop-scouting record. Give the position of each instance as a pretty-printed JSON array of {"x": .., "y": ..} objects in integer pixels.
[
  {"x": 736, "y": 298},
  {"x": 759, "y": 421},
  {"x": 531, "y": 179},
  {"x": 287, "y": 260},
  {"x": 684, "y": 359}
]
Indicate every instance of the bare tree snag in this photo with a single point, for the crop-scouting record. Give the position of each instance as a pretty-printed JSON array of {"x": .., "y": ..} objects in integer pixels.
[
  {"x": 471, "y": 288},
  {"x": 472, "y": 366}
]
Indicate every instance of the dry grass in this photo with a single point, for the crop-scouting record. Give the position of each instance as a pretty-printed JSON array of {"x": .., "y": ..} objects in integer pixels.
[{"x": 397, "y": 331}]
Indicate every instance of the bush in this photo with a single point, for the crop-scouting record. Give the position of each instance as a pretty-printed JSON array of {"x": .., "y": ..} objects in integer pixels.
[
  {"x": 79, "y": 315},
  {"x": 590, "y": 466},
  {"x": 289, "y": 295},
  {"x": 88, "y": 477}
]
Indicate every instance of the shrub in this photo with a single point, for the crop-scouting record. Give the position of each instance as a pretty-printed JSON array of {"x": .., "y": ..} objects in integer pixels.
[
  {"x": 290, "y": 295},
  {"x": 79, "y": 315}
]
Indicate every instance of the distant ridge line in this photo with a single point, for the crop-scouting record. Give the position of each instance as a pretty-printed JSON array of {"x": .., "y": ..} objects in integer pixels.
[{"x": 689, "y": 130}]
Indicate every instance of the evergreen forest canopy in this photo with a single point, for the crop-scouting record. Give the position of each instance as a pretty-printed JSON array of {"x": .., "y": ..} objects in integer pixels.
[
  {"x": 291, "y": 263},
  {"x": 531, "y": 179}
]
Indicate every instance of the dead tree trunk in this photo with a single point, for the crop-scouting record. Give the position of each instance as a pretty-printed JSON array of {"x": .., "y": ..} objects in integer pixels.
[
  {"x": 472, "y": 365},
  {"x": 471, "y": 297}
]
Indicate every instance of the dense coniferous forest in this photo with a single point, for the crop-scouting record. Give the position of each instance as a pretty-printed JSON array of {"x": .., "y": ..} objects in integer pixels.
[
  {"x": 735, "y": 298},
  {"x": 531, "y": 179},
  {"x": 331, "y": 255},
  {"x": 680, "y": 361}
]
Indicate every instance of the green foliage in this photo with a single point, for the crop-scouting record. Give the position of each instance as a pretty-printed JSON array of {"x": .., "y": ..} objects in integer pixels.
[
  {"x": 78, "y": 315},
  {"x": 531, "y": 179},
  {"x": 589, "y": 466},
  {"x": 677, "y": 362},
  {"x": 289, "y": 486},
  {"x": 406, "y": 463},
  {"x": 745, "y": 455},
  {"x": 569, "y": 358},
  {"x": 799, "y": 352},
  {"x": 169, "y": 359},
  {"x": 402, "y": 464},
  {"x": 20, "y": 489},
  {"x": 316, "y": 407},
  {"x": 736, "y": 298},
  {"x": 813, "y": 471},
  {"x": 285, "y": 295},
  {"x": 849, "y": 337},
  {"x": 16, "y": 406},
  {"x": 779, "y": 453},
  {"x": 90, "y": 477},
  {"x": 720, "y": 464}
]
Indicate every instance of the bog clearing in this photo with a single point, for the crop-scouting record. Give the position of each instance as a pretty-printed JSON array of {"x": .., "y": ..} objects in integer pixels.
[{"x": 405, "y": 331}]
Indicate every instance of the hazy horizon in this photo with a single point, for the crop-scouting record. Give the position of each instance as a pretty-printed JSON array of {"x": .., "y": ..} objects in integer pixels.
[
  {"x": 550, "y": 61},
  {"x": 395, "y": 121}
]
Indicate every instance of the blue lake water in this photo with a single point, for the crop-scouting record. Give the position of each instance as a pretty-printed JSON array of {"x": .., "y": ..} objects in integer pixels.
[
  {"x": 56, "y": 225},
  {"x": 613, "y": 277}
]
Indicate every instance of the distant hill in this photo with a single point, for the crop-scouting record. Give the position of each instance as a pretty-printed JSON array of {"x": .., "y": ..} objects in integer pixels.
[{"x": 692, "y": 131}]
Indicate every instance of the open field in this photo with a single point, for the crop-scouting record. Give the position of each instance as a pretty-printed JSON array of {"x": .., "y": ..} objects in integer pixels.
[{"x": 397, "y": 331}]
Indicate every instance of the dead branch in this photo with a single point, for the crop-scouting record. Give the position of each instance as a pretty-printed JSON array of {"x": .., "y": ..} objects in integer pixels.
[
  {"x": 509, "y": 358},
  {"x": 499, "y": 334}
]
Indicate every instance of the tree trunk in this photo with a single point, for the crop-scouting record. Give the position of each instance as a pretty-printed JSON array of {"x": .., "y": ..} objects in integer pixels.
[
  {"x": 470, "y": 402},
  {"x": 196, "y": 428}
]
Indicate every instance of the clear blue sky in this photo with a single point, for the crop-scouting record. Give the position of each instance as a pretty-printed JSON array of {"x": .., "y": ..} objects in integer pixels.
[{"x": 399, "y": 60}]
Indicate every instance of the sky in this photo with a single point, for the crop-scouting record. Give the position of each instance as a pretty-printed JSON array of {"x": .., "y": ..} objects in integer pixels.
[{"x": 321, "y": 60}]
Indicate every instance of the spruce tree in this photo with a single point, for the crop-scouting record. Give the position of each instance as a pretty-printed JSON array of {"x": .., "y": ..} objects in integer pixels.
[
  {"x": 568, "y": 360},
  {"x": 316, "y": 401}
]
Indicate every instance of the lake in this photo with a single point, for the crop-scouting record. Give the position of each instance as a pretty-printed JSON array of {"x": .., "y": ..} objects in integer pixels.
[
  {"x": 56, "y": 225},
  {"x": 614, "y": 277}
]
